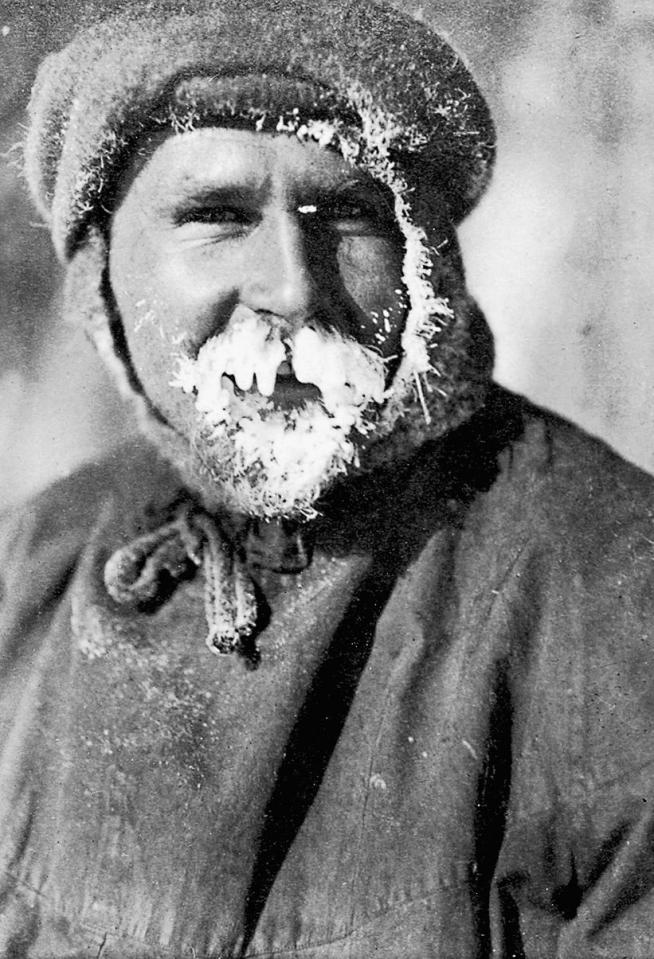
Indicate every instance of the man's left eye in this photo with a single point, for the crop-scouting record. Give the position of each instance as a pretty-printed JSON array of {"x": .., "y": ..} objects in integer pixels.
[{"x": 354, "y": 215}]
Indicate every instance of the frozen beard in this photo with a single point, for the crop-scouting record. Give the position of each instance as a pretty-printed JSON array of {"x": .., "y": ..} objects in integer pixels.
[{"x": 265, "y": 459}]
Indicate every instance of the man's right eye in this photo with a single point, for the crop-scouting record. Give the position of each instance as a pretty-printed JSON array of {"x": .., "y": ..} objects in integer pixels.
[{"x": 230, "y": 217}]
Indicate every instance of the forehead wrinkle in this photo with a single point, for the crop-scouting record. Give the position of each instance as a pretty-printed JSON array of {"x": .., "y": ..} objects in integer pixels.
[
  {"x": 220, "y": 153},
  {"x": 202, "y": 175}
]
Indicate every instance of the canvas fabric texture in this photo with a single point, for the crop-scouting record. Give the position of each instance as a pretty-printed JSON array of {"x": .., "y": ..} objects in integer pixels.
[{"x": 445, "y": 751}]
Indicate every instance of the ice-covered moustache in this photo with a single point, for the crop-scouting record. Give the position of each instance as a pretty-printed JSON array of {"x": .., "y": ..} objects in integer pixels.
[{"x": 250, "y": 352}]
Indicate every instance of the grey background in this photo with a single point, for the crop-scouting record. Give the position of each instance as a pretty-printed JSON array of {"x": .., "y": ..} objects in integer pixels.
[{"x": 560, "y": 253}]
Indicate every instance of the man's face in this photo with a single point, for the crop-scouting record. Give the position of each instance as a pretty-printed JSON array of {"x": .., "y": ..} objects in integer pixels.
[{"x": 263, "y": 277}]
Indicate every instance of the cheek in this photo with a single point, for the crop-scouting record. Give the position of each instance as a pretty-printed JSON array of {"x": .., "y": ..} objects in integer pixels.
[
  {"x": 151, "y": 313},
  {"x": 163, "y": 295},
  {"x": 134, "y": 279},
  {"x": 371, "y": 272},
  {"x": 170, "y": 301}
]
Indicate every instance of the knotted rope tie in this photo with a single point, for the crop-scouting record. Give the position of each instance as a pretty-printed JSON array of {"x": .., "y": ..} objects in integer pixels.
[
  {"x": 147, "y": 569},
  {"x": 230, "y": 603}
]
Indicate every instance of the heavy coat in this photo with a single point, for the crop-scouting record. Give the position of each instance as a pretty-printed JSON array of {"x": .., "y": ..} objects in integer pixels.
[{"x": 446, "y": 750}]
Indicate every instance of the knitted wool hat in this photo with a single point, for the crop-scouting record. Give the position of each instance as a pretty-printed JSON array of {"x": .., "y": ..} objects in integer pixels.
[{"x": 409, "y": 87}]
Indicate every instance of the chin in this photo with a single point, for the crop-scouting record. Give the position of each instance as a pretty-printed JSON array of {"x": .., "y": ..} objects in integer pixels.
[{"x": 275, "y": 463}]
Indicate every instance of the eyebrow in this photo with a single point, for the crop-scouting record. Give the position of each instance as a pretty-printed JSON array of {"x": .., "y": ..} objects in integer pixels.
[
  {"x": 205, "y": 194},
  {"x": 202, "y": 194},
  {"x": 368, "y": 187}
]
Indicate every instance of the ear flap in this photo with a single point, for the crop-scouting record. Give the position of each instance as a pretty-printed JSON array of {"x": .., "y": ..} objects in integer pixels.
[{"x": 88, "y": 303}]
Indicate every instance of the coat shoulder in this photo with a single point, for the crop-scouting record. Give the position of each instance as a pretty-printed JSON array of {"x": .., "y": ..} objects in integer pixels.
[
  {"x": 563, "y": 537},
  {"x": 570, "y": 490},
  {"x": 42, "y": 540}
]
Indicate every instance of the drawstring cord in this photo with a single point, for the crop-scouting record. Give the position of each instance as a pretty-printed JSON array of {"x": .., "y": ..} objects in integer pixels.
[
  {"x": 230, "y": 603},
  {"x": 151, "y": 565}
]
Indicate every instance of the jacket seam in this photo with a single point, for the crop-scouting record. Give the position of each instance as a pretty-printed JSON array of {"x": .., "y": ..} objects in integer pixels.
[{"x": 355, "y": 930}]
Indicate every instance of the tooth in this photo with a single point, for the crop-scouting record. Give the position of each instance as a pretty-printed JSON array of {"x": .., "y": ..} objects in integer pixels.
[
  {"x": 306, "y": 348},
  {"x": 244, "y": 374},
  {"x": 266, "y": 379},
  {"x": 301, "y": 374},
  {"x": 226, "y": 384}
]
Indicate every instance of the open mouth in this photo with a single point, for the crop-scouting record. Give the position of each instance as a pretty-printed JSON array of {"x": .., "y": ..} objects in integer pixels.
[{"x": 288, "y": 391}]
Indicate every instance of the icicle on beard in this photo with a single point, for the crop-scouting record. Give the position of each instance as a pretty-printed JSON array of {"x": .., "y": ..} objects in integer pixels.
[{"x": 265, "y": 460}]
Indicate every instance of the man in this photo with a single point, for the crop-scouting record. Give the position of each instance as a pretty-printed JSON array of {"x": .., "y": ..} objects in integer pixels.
[{"x": 349, "y": 656}]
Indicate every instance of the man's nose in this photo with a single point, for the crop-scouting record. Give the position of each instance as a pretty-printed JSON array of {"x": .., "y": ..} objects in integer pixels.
[{"x": 283, "y": 277}]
